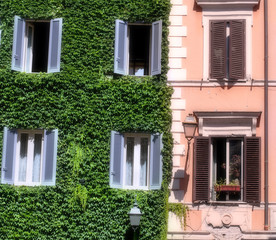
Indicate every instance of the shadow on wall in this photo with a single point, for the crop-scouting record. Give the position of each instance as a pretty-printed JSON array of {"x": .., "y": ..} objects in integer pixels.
[{"x": 180, "y": 184}]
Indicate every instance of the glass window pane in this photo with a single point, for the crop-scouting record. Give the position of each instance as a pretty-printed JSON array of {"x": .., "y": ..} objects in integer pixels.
[
  {"x": 220, "y": 159},
  {"x": 143, "y": 161},
  {"x": 23, "y": 157},
  {"x": 37, "y": 158},
  {"x": 129, "y": 161},
  {"x": 29, "y": 52},
  {"x": 235, "y": 162}
]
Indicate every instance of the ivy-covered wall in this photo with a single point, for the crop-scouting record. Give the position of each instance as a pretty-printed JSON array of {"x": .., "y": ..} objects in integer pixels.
[{"x": 84, "y": 101}]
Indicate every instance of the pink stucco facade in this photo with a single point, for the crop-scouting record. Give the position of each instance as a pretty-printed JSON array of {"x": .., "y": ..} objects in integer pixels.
[{"x": 221, "y": 108}]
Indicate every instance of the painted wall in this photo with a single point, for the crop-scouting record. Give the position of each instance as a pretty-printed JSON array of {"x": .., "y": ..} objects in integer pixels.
[{"x": 192, "y": 94}]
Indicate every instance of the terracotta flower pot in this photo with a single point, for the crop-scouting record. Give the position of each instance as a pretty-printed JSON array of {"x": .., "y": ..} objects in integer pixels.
[{"x": 228, "y": 188}]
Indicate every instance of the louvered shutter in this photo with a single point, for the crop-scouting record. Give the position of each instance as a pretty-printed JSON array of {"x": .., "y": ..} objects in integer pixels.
[
  {"x": 156, "y": 40},
  {"x": 120, "y": 51},
  {"x": 8, "y": 156},
  {"x": 18, "y": 44},
  {"x": 237, "y": 49},
  {"x": 155, "y": 161},
  {"x": 201, "y": 169},
  {"x": 218, "y": 50},
  {"x": 116, "y": 160},
  {"x": 54, "y": 45},
  {"x": 252, "y": 169},
  {"x": 49, "y": 157}
]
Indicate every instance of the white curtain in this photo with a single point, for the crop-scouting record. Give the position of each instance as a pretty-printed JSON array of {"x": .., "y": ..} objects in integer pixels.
[
  {"x": 143, "y": 161},
  {"x": 129, "y": 161},
  {"x": 37, "y": 157},
  {"x": 23, "y": 157}
]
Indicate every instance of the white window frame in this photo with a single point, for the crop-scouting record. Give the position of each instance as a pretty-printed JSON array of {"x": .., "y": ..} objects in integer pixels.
[
  {"x": 30, "y": 155},
  {"x": 118, "y": 160},
  {"x": 10, "y": 156},
  {"x": 136, "y": 161},
  {"x": 20, "y": 45},
  {"x": 213, "y": 173},
  {"x": 28, "y": 52},
  {"x": 121, "y": 52},
  {"x": 227, "y": 10}
]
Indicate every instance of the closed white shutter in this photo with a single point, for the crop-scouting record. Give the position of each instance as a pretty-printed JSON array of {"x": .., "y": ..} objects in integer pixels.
[
  {"x": 156, "y": 161},
  {"x": 116, "y": 160},
  {"x": 8, "y": 156},
  {"x": 18, "y": 44},
  {"x": 120, "y": 51},
  {"x": 156, "y": 40},
  {"x": 49, "y": 157},
  {"x": 54, "y": 45}
]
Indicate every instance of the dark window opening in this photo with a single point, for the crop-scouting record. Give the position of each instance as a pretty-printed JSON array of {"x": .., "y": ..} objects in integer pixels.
[
  {"x": 139, "y": 45},
  {"x": 227, "y": 169},
  {"x": 40, "y": 46}
]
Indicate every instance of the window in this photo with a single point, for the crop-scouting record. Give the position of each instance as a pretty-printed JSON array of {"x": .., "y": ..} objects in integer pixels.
[
  {"x": 135, "y": 161},
  {"x": 227, "y": 27},
  {"x": 227, "y": 51},
  {"x": 137, "y": 48},
  {"x": 223, "y": 161},
  {"x": 29, "y": 157},
  {"x": 36, "y": 45},
  {"x": 227, "y": 169}
]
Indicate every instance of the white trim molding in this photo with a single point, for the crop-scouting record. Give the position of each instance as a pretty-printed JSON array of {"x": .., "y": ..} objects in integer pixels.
[
  {"x": 218, "y": 4},
  {"x": 227, "y": 10},
  {"x": 227, "y": 123}
]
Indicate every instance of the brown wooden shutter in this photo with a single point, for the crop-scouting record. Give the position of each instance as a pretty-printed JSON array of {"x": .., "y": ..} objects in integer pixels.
[
  {"x": 218, "y": 50},
  {"x": 201, "y": 169},
  {"x": 252, "y": 169},
  {"x": 237, "y": 50}
]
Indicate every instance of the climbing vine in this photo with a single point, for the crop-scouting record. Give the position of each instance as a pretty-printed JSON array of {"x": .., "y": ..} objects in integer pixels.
[
  {"x": 181, "y": 211},
  {"x": 85, "y": 101}
]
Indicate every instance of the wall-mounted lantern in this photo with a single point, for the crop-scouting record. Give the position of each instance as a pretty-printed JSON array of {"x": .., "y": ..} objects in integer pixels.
[
  {"x": 135, "y": 216},
  {"x": 190, "y": 125}
]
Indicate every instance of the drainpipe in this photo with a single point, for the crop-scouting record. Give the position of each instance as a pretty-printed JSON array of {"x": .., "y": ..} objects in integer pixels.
[{"x": 266, "y": 114}]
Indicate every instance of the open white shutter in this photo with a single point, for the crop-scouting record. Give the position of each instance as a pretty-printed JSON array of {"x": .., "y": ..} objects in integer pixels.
[
  {"x": 156, "y": 39},
  {"x": 156, "y": 146},
  {"x": 116, "y": 160},
  {"x": 120, "y": 54},
  {"x": 54, "y": 45},
  {"x": 8, "y": 156},
  {"x": 18, "y": 44},
  {"x": 49, "y": 157}
]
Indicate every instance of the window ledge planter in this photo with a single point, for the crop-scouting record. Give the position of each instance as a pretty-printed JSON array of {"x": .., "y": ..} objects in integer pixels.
[{"x": 228, "y": 188}]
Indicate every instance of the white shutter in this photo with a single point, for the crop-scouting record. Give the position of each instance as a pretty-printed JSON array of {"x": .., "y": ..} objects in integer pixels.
[
  {"x": 49, "y": 157},
  {"x": 54, "y": 45},
  {"x": 18, "y": 44},
  {"x": 116, "y": 160},
  {"x": 156, "y": 146},
  {"x": 156, "y": 39},
  {"x": 120, "y": 51},
  {"x": 8, "y": 156}
]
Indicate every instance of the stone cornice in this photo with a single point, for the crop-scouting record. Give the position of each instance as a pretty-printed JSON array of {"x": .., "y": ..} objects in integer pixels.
[{"x": 223, "y": 4}]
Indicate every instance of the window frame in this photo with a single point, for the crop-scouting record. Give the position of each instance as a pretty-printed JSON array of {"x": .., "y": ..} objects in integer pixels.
[
  {"x": 202, "y": 179},
  {"x": 210, "y": 16},
  {"x": 227, "y": 159},
  {"x": 137, "y": 157},
  {"x": 118, "y": 159},
  {"x": 20, "y": 42},
  {"x": 121, "y": 47},
  {"x": 10, "y": 157},
  {"x": 30, "y": 148}
]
